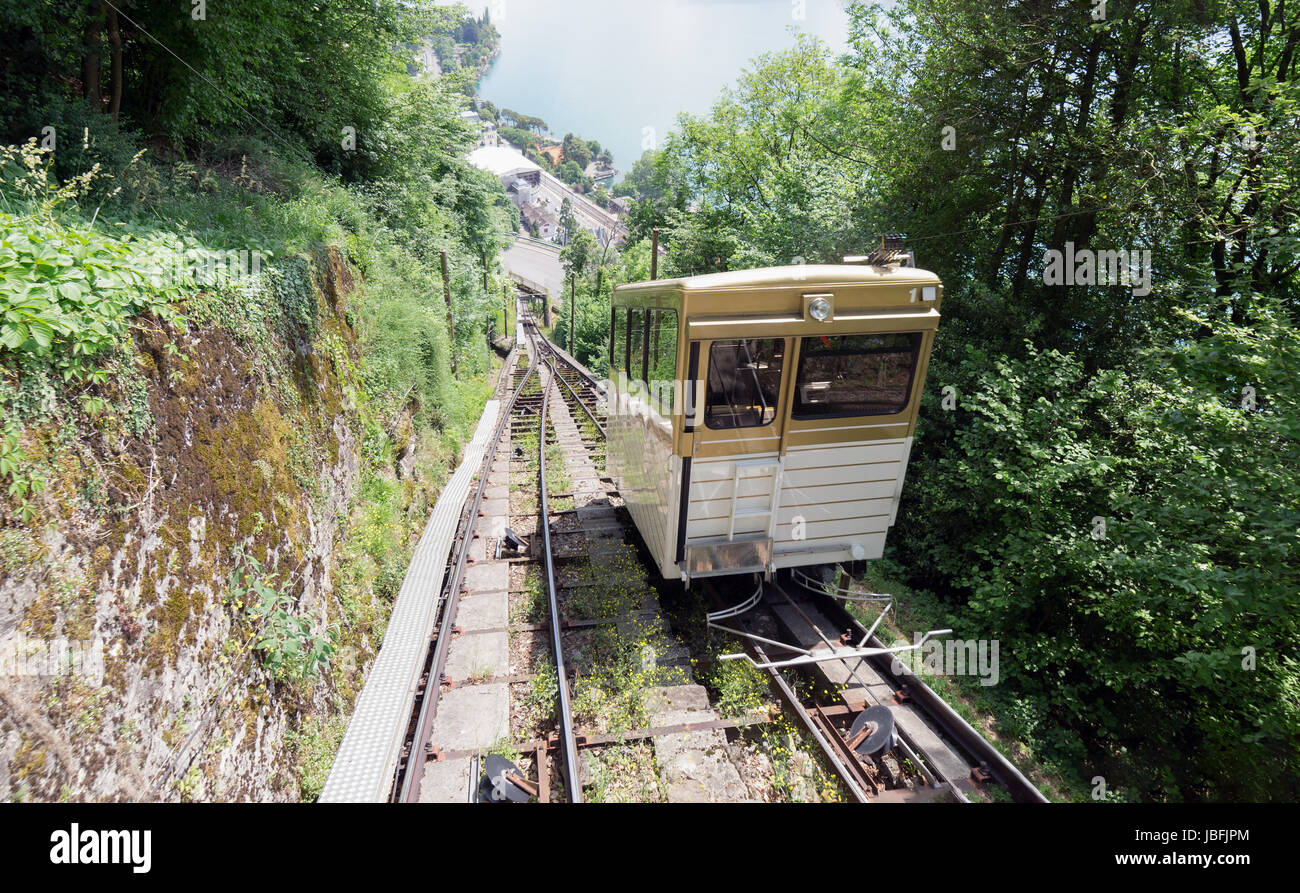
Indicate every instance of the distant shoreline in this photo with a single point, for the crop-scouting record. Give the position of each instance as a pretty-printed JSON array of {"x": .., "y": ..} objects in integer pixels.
[{"x": 607, "y": 182}]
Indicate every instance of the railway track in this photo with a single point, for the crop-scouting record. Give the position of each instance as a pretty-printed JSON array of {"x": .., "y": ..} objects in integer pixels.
[
  {"x": 931, "y": 753},
  {"x": 407, "y": 784},
  {"x": 527, "y": 400},
  {"x": 584, "y": 596},
  {"x": 585, "y": 391},
  {"x": 566, "y": 729}
]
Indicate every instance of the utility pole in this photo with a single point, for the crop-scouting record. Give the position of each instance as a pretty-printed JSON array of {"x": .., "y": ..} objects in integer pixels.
[
  {"x": 654, "y": 253},
  {"x": 451, "y": 321},
  {"x": 573, "y": 306},
  {"x": 600, "y": 276},
  {"x": 505, "y": 310},
  {"x": 546, "y": 309}
]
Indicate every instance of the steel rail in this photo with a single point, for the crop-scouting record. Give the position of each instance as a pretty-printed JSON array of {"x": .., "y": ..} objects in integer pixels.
[
  {"x": 571, "y": 770},
  {"x": 848, "y": 777},
  {"x": 590, "y": 379},
  {"x": 585, "y": 408},
  {"x": 845, "y": 763},
  {"x": 928, "y": 769},
  {"x": 409, "y": 790},
  {"x": 979, "y": 747},
  {"x": 553, "y": 356}
]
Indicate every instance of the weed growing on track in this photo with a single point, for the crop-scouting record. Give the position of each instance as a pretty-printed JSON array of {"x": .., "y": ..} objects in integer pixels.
[
  {"x": 540, "y": 703},
  {"x": 624, "y": 773}
]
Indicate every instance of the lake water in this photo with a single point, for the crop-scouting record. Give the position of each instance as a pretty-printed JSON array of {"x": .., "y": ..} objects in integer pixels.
[{"x": 609, "y": 69}]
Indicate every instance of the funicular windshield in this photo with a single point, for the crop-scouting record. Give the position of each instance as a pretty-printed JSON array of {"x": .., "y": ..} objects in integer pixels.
[
  {"x": 744, "y": 382},
  {"x": 855, "y": 375}
]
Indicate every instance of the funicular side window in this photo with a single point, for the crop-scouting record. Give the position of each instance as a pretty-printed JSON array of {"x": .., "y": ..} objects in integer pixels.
[
  {"x": 618, "y": 342},
  {"x": 645, "y": 347},
  {"x": 632, "y": 350},
  {"x": 855, "y": 375},
  {"x": 663, "y": 358},
  {"x": 744, "y": 382}
]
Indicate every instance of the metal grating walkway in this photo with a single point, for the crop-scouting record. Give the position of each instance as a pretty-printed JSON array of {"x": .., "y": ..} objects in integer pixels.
[{"x": 366, "y": 763}]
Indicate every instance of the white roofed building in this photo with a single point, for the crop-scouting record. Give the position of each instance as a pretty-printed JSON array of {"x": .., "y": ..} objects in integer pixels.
[{"x": 507, "y": 164}]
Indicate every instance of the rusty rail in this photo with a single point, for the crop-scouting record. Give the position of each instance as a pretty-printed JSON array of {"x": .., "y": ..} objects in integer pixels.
[{"x": 410, "y": 771}]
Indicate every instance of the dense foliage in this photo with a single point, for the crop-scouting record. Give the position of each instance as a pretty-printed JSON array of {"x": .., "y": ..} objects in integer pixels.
[
  {"x": 260, "y": 188},
  {"x": 68, "y": 292},
  {"x": 259, "y": 118},
  {"x": 1114, "y": 495},
  {"x": 595, "y": 269},
  {"x": 471, "y": 45}
]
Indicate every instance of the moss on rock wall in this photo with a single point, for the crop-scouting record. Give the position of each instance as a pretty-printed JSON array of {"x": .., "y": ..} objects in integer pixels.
[{"x": 239, "y": 450}]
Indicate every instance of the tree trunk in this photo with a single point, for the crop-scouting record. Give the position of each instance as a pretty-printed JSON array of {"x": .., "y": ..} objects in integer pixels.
[
  {"x": 1069, "y": 179},
  {"x": 115, "y": 38},
  {"x": 90, "y": 59},
  {"x": 1018, "y": 281},
  {"x": 451, "y": 321}
]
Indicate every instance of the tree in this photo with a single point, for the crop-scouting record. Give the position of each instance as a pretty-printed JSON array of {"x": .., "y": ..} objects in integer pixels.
[
  {"x": 572, "y": 174},
  {"x": 993, "y": 136},
  {"x": 576, "y": 150},
  {"x": 1059, "y": 141},
  {"x": 579, "y": 253},
  {"x": 467, "y": 31},
  {"x": 568, "y": 224},
  {"x": 299, "y": 75},
  {"x": 523, "y": 139},
  {"x": 641, "y": 181},
  {"x": 526, "y": 122}
]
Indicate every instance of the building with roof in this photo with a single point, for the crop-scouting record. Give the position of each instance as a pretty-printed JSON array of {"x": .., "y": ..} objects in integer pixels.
[
  {"x": 506, "y": 164},
  {"x": 536, "y": 215},
  {"x": 521, "y": 192}
]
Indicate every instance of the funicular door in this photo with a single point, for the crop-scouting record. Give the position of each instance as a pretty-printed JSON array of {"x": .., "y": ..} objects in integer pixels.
[{"x": 736, "y": 417}]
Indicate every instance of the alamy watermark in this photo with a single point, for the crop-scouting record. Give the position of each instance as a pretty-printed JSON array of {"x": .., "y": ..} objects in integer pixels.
[
  {"x": 24, "y": 656},
  {"x": 638, "y": 398},
  {"x": 950, "y": 657},
  {"x": 78, "y": 846},
  {"x": 1131, "y": 269}
]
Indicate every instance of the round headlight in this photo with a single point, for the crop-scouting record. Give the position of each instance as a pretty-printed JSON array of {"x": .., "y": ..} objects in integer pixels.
[{"x": 819, "y": 309}]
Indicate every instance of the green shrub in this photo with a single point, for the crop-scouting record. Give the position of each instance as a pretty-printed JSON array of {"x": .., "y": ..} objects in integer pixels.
[
  {"x": 289, "y": 648},
  {"x": 68, "y": 292}
]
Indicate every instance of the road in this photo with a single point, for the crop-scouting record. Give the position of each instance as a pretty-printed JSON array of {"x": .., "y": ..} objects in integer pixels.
[
  {"x": 536, "y": 263},
  {"x": 589, "y": 214}
]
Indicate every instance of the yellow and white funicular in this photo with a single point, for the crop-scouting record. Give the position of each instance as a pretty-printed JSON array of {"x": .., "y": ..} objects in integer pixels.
[{"x": 762, "y": 419}]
